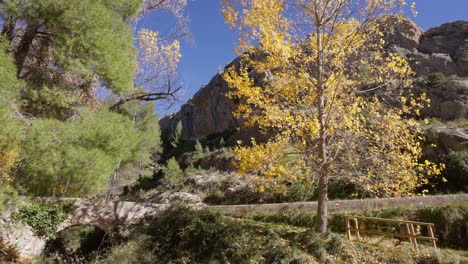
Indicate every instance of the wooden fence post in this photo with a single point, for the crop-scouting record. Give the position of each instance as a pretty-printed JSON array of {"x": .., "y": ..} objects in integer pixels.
[
  {"x": 431, "y": 234},
  {"x": 413, "y": 234},
  {"x": 348, "y": 227},
  {"x": 356, "y": 226},
  {"x": 410, "y": 231}
]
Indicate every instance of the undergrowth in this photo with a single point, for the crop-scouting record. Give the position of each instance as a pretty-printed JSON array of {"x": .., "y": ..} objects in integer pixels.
[
  {"x": 451, "y": 222},
  {"x": 44, "y": 219}
]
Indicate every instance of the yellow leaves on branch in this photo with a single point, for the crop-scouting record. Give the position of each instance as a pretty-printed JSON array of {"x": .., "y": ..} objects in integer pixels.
[
  {"x": 280, "y": 87},
  {"x": 9, "y": 158},
  {"x": 275, "y": 162},
  {"x": 259, "y": 19},
  {"x": 157, "y": 57}
]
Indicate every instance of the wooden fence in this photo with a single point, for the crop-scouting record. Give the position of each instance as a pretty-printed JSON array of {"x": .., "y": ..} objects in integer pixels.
[{"x": 409, "y": 231}]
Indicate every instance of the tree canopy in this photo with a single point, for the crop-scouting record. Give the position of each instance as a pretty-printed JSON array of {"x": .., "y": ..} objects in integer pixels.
[
  {"x": 58, "y": 135},
  {"x": 315, "y": 74},
  {"x": 10, "y": 129}
]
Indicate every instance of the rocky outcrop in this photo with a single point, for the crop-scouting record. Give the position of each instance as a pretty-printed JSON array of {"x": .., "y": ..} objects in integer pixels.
[
  {"x": 449, "y": 98},
  {"x": 402, "y": 33},
  {"x": 443, "y": 49},
  {"x": 180, "y": 197},
  {"x": 451, "y": 40},
  {"x": 21, "y": 237},
  {"x": 208, "y": 112}
]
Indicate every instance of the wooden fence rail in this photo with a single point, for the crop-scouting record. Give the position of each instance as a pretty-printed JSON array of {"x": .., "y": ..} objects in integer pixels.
[{"x": 409, "y": 229}]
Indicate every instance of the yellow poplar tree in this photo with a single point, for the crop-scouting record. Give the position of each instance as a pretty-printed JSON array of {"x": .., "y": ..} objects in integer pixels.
[{"x": 314, "y": 73}]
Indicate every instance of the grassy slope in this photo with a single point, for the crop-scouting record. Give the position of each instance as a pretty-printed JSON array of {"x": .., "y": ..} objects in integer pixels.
[{"x": 181, "y": 235}]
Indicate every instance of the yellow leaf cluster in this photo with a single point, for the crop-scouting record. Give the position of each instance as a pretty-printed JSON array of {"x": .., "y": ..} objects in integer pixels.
[
  {"x": 326, "y": 87},
  {"x": 158, "y": 57},
  {"x": 9, "y": 158}
]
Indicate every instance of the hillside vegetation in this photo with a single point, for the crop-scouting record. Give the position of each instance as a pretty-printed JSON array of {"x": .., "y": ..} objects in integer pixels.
[
  {"x": 357, "y": 102},
  {"x": 181, "y": 235}
]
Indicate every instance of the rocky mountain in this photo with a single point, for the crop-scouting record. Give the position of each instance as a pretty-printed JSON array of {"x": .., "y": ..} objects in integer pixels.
[
  {"x": 439, "y": 57},
  {"x": 208, "y": 112}
]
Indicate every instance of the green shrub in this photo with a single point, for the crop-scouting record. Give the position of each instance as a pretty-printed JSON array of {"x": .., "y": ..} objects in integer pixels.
[
  {"x": 77, "y": 244},
  {"x": 220, "y": 159},
  {"x": 138, "y": 250},
  {"x": 44, "y": 219},
  {"x": 76, "y": 157},
  {"x": 457, "y": 170},
  {"x": 8, "y": 197},
  {"x": 182, "y": 235},
  {"x": 435, "y": 79},
  {"x": 451, "y": 224},
  {"x": 290, "y": 218},
  {"x": 198, "y": 147},
  {"x": 173, "y": 175}
]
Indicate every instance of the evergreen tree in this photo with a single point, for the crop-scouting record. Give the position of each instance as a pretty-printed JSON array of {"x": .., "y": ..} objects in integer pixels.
[
  {"x": 9, "y": 127},
  {"x": 177, "y": 135},
  {"x": 54, "y": 55},
  {"x": 198, "y": 147},
  {"x": 172, "y": 174},
  {"x": 59, "y": 39},
  {"x": 77, "y": 157}
]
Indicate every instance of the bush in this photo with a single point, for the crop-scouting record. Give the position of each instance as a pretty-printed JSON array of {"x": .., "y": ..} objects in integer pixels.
[
  {"x": 435, "y": 79},
  {"x": 457, "y": 171},
  {"x": 451, "y": 224},
  {"x": 77, "y": 244},
  {"x": 291, "y": 218},
  {"x": 8, "y": 254},
  {"x": 220, "y": 159},
  {"x": 173, "y": 175},
  {"x": 182, "y": 235},
  {"x": 138, "y": 250},
  {"x": 44, "y": 219}
]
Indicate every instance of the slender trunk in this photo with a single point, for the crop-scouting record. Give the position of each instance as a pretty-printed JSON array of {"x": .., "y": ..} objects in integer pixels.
[
  {"x": 66, "y": 186},
  {"x": 322, "y": 209},
  {"x": 24, "y": 46},
  {"x": 112, "y": 181}
]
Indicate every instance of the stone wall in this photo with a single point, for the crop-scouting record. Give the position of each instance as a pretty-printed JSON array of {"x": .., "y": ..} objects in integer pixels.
[{"x": 345, "y": 205}]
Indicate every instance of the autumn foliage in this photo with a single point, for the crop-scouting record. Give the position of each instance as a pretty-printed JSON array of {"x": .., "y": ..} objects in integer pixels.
[{"x": 316, "y": 75}]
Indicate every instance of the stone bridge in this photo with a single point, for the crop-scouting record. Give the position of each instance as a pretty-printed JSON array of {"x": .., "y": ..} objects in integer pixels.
[
  {"x": 110, "y": 216},
  {"x": 118, "y": 216}
]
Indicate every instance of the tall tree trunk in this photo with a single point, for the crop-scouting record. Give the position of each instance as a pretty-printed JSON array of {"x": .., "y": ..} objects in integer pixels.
[
  {"x": 24, "y": 46},
  {"x": 9, "y": 25},
  {"x": 322, "y": 208}
]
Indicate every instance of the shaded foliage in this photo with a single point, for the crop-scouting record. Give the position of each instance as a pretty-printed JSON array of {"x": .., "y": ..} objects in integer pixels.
[{"x": 43, "y": 218}]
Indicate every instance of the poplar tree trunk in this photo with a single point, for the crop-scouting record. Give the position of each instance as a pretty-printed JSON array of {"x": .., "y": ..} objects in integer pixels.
[{"x": 322, "y": 208}]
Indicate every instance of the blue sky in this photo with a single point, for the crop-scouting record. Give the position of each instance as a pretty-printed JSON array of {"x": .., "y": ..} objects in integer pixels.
[{"x": 211, "y": 46}]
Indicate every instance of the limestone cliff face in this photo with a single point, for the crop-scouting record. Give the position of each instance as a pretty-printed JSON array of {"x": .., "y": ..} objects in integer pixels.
[
  {"x": 443, "y": 49},
  {"x": 451, "y": 40},
  {"x": 208, "y": 112}
]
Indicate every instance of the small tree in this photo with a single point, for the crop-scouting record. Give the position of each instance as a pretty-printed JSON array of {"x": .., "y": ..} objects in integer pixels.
[
  {"x": 172, "y": 174},
  {"x": 177, "y": 135},
  {"x": 301, "y": 77},
  {"x": 198, "y": 147}
]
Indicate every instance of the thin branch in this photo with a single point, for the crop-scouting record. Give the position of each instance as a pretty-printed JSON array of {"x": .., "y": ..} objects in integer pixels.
[{"x": 148, "y": 97}]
